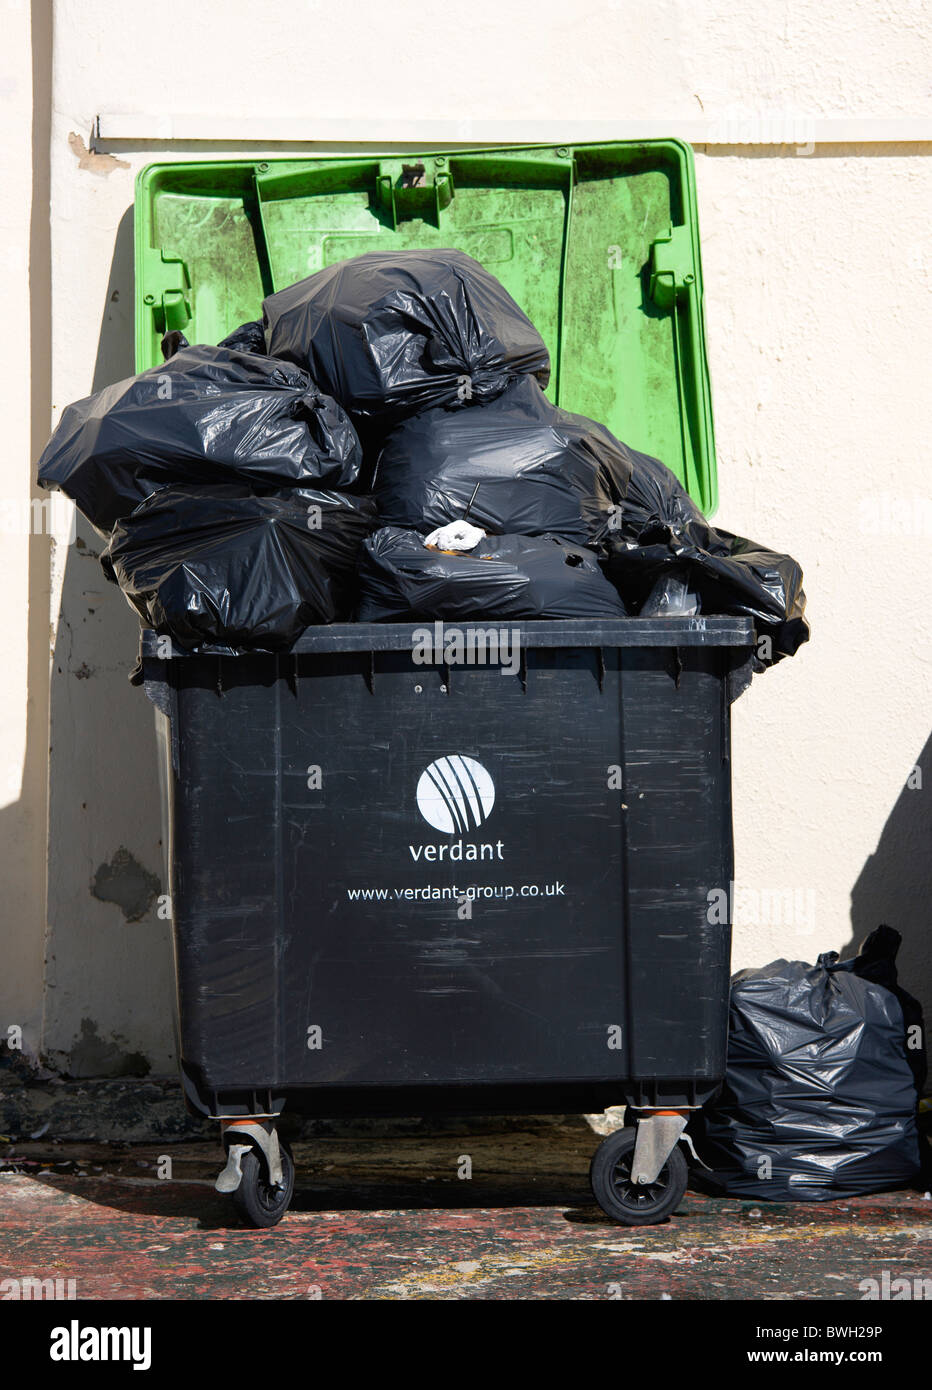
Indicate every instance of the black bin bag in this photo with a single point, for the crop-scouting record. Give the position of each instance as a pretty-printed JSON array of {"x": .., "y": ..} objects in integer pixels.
[
  {"x": 391, "y": 333},
  {"x": 538, "y": 469},
  {"x": 224, "y": 567},
  {"x": 659, "y": 542},
  {"x": 248, "y": 337},
  {"x": 825, "y": 1064},
  {"x": 503, "y": 577},
  {"x": 208, "y": 415}
]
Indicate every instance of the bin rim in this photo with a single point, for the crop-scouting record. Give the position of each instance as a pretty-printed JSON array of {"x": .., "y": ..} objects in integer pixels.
[{"x": 337, "y": 638}]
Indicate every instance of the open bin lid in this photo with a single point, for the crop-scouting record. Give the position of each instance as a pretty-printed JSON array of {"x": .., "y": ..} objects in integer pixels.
[{"x": 599, "y": 244}]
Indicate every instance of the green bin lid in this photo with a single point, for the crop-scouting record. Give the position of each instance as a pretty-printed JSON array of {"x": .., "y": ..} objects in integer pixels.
[{"x": 599, "y": 244}]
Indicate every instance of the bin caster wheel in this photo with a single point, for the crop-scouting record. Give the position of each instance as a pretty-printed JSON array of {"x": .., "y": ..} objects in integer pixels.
[
  {"x": 257, "y": 1201},
  {"x": 627, "y": 1202}
]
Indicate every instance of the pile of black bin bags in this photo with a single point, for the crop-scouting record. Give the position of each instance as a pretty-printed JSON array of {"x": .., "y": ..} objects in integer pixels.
[
  {"x": 826, "y": 1064},
  {"x": 291, "y": 475}
]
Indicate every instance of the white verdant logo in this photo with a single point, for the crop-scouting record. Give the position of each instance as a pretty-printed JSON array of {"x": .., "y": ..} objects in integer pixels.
[{"x": 455, "y": 794}]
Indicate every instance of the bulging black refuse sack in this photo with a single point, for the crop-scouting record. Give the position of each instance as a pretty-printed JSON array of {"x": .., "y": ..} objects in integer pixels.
[
  {"x": 659, "y": 533},
  {"x": 208, "y": 414},
  {"x": 391, "y": 333},
  {"x": 820, "y": 1092},
  {"x": 503, "y": 577},
  {"x": 539, "y": 470},
  {"x": 225, "y": 567}
]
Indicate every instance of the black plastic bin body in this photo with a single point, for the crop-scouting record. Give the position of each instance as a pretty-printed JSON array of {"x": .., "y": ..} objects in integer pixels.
[{"x": 404, "y": 888}]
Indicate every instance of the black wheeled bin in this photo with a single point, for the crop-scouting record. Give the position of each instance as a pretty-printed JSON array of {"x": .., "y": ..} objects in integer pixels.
[
  {"x": 404, "y": 888},
  {"x": 401, "y": 888}
]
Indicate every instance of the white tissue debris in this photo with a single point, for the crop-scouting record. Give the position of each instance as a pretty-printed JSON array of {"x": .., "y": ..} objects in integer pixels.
[{"x": 457, "y": 535}]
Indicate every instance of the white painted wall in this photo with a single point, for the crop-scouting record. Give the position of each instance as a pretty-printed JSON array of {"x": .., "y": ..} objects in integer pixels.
[{"x": 817, "y": 291}]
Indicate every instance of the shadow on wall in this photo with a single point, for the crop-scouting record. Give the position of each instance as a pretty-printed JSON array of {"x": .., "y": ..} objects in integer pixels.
[
  {"x": 109, "y": 991},
  {"x": 895, "y": 885},
  {"x": 23, "y": 820}
]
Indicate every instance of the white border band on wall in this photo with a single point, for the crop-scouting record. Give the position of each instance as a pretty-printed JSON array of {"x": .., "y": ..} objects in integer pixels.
[{"x": 733, "y": 128}]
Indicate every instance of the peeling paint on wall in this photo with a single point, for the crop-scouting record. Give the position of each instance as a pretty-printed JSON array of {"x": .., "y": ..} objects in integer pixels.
[
  {"x": 125, "y": 882},
  {"x": 102, "y": 164}
]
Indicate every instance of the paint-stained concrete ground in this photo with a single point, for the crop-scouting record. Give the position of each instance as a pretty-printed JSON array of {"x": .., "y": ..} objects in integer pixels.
[{"x": 383, "y": 1215}]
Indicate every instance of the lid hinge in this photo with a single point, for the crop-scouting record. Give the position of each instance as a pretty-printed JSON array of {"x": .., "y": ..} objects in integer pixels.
[
  {"x": 672, "y": 270},
  {"x": 169, "y": 289},
  {"x": 406, "y": 191}
]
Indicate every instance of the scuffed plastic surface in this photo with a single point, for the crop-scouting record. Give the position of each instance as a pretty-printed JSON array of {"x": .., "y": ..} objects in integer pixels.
[
  {"x": 820, "y": 1092},
  {"x": 503, "y": 577},
  {"x": 208, "y": 415},
  {"x": 272, "y": 929},
  {"x": 391, "y": 333},
  {"x": 223, "y": 566}
]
